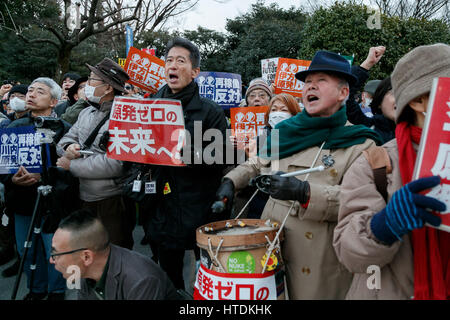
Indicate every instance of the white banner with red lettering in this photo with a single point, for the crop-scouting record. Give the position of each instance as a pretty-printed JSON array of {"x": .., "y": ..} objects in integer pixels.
[
  {"x": 212, "y": 285},
  {"x": 146, "y": 131},
  {"x": 433, "y": 157}
]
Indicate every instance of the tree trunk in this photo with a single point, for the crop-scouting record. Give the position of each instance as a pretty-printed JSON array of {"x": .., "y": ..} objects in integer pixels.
[{"x": 62, "y": 63}]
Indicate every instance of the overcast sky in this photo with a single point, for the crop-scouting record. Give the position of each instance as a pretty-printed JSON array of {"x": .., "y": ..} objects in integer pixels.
[{"x": 212, "y": 14}]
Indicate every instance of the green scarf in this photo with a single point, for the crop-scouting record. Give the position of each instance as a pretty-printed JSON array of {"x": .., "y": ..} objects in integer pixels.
[{"x": 303, "y": 131}]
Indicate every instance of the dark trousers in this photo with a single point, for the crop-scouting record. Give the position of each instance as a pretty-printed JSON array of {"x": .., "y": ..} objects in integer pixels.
[
  {"x": 171, "y": 261},
  {"x": 118, "y": 221}
]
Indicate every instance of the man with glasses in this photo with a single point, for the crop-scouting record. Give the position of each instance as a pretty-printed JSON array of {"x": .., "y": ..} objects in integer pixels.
[
  {"x": 258, "y": 93},
  {"x": 21, "y": 194},
  {"x": 107, "y": 272},
  {"x": 98, "y": 174}
]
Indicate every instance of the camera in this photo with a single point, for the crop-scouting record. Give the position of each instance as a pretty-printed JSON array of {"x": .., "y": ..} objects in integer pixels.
[{"x": 48, "y": 123}]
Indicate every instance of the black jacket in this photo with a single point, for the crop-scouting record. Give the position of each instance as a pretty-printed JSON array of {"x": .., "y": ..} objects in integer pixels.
[
  {"x": 384, "y": 126},
  {"x": 175, "y": 214},
  {"x": 20, "y": 200}
]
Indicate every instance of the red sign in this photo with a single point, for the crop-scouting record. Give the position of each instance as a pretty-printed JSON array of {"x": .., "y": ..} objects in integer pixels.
[
  {"x": 145, "y": 70},
  {"x": 212, "y": 285},
  {"x": 247, "y": 123},
  {"x": 433, "y": 157},
  {"x": 146, "y": 131},
  {"x": 285, "y": 81}
]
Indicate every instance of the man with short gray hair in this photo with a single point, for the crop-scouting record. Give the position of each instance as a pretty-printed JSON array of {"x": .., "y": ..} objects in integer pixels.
[{"x": 21, "y": 194}]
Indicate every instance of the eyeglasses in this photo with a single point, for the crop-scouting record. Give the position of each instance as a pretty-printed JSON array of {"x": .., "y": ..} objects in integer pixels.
[
  {"x": 260, "y": 95},
  {"x": 53, "y": 255}
]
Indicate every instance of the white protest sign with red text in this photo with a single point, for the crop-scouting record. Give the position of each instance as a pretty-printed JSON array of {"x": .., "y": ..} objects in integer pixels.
[
  {"x": 212, "y": 285},
  {"x": 433, "y": 157},
  {"x": 145, "y": 70},
  {"x": 146, "y": 131}
]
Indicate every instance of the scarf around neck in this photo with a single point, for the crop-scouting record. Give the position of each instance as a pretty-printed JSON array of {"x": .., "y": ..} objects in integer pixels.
[
  {"x": 303, "y": 131},
  {"x": 185, "y": 95},
  {"x": 431, "y": 246}
]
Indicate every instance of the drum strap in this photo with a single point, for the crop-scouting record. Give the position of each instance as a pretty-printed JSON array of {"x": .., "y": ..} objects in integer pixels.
[{"x": 213, "y": 256}]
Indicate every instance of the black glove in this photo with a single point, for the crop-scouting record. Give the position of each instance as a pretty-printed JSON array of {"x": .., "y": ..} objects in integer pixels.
[
  {"x": 104, "y": 139},
  {"x": 224, "y": 196},
  {"x": 289, "y": 188}
]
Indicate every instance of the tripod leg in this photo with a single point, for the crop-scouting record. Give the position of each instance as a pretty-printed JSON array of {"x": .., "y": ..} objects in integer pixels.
[{"x": 27, "y": 245}]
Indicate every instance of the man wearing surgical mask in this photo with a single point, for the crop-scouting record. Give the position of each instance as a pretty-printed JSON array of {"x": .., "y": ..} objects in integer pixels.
[
  {"x": 100, "y": 189},
  {"x": 16, "y": 104}
]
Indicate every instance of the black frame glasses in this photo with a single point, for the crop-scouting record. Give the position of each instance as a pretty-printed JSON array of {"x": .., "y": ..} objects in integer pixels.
[{"x": 53, "y": 255}]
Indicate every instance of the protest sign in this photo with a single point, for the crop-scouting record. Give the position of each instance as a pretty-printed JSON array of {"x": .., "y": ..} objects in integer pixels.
[
  {"x": 129, "y": 38},
  {"x": 212, "y": 285},
  {"x": 145, "y": 71},
  {"x": 146, "y": 131},
  {"x": 433, "y": 157},
  {"x": 349, "y": 59},
  {"x": 20, "y": 147},
  {"x": 285, "y": 81},
  {"x": 247, "y": 123},
  {"x": 223, "y": 88},
  {"x": 269, "y": 69}
]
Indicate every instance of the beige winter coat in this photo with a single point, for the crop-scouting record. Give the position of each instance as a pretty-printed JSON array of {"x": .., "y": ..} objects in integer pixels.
[
  {"x": 356, "y": 246},
  {"x": 313, "y": 271}
]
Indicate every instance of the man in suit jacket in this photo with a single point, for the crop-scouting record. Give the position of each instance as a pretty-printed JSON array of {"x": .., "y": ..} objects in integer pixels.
[{"x": 81, "y": 248}]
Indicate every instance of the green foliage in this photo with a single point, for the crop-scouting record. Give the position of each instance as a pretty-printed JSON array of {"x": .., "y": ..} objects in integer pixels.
[
  {"x": 343, "y": 28},
  {"x": 264, "y": 32}
]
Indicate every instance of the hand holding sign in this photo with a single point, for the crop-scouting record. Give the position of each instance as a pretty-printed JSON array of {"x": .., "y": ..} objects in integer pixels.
[{"x": 24, "y": 178}]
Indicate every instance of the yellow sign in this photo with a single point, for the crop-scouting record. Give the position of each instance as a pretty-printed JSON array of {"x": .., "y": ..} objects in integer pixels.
[
  {"x": 167, "y": 188},
  {"x": 121, "y": 62}
]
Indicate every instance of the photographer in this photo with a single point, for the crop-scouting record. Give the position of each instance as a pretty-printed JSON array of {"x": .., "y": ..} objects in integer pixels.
[
  {"x": 21, "y": 194},
  {"x": 98, "y": 174}
]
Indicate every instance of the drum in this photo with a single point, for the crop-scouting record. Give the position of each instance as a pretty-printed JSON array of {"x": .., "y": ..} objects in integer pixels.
[{"x": 240, "y": 260}]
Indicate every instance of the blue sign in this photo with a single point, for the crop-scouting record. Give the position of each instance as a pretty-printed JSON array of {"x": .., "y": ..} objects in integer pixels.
[
  {"x": 128, "y": 37},
  {"x": 223, "y": 88},
  {"x": 20, "y": 147}
]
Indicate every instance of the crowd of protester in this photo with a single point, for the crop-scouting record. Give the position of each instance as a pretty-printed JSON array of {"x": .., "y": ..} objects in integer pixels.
[{"x": 337, "y": 222}]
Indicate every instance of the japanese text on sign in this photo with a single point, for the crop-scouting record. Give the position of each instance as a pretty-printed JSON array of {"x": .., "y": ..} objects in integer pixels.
[
  {"x": 223, "y": 88},
  {"x": 146, "y": 71},
  {"x": 285, "y": 81},
  {"x": 247, "y": 123},
  {"x": 269, "y": 69},
  {"x": 211, "y": 285},
  {"x": 20, "y": 147},
  {"x": 433, "y": 157},
  {"x": 146, "y": 131}
]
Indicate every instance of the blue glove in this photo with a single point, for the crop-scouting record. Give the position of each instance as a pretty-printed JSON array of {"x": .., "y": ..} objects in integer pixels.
[{"x": 407, "y": 211}]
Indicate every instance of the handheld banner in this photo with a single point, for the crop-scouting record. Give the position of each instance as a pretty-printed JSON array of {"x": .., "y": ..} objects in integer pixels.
[
  {"x": 433, "y": 157},
  {"x": 285, "y": 81},
  {"x": 146, "y": 131},
  {"x": 247, "y": 123},
  {"x": 20, "y": 147},
  {"x": 223, "y": 88},
  {"x": 269, "y": 69},
  {"x": 129, "y": 38},
  {"x": 145, "y": 71}
]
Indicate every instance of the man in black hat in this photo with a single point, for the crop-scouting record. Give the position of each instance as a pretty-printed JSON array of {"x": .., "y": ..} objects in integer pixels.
[
  {"x": 97, "y": 173},
  {"x": 320, "y": 135}
]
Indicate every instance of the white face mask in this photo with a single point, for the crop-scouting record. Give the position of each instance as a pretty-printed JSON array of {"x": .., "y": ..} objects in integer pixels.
[
  {"x": 276, "y": 117},
  {"x": 17, "y": 104},
  {"x": 89, "y": 93},
  {"x": 367, "y": 102}
]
